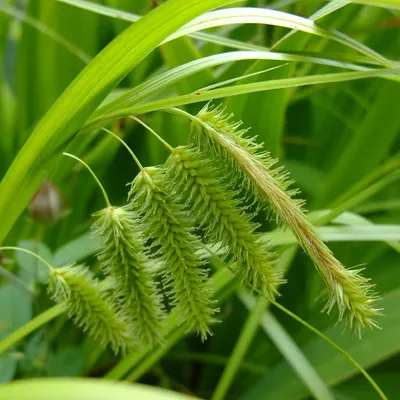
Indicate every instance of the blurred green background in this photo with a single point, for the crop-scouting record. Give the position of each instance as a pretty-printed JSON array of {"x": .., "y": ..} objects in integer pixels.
[{"x": 340, "y": 142}]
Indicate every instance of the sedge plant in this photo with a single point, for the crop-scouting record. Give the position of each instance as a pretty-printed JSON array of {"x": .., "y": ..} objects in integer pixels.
[
  {"x": 253, "y": 172},
  {"x": 191, "y": 181},
  {"x": 154, "y": 284}
]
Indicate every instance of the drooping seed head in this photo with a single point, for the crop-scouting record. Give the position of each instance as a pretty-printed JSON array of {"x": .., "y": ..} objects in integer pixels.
[
  {"x": 256, "y": 173},
  {"x": 222, "y": 216},
  {"x": 89, "y": 304},
  {"x": 123, "y": 258},
  {"x": 184, "y": 276}
]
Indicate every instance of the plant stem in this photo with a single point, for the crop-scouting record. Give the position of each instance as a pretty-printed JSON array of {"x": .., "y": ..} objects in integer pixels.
[
  {"x": 31, "y": 326},
  {"x": 217, "y": 359}
]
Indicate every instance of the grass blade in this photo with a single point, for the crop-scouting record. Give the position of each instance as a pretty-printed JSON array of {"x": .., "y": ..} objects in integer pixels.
[
  {"x": 71, "y": 47},
  {"x": 250, "y": 15},
  {"x": 235, "y": 91},
  {"x": 290, "y": 351},
  {"x": 244, "y": 341},
  {"x": 376, "y": 346},
  {"x": 88, "y": 389},
  {"x": 81, "y": 98},
  {"x": 369, "y": 146},
  {"x": 183, "y": 71},
  {"x": 379, "y": 3}
]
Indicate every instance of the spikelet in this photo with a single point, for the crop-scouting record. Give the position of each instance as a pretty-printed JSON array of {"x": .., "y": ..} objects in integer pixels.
[
  {"x": 213, "y": 206},
  {"x": 123, "y": 258},
  {"x": 254, "y": 170},
  {"x": 88, "y": 303},
  {"x": 184, "y": 277}
]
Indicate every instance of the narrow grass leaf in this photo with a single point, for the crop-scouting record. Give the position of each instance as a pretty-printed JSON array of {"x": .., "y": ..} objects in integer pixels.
[
  {"x": 83, "y": 96},
  {"x": 81, "y": 388},
  {"x": 291, "y": 352},
  {"x": 377, "y": 345},
  {"x": 235, "y": 91},
  {"x": 278, "y": 18}
]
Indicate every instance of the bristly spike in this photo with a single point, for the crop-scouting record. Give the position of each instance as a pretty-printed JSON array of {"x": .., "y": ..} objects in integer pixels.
[
  {"x": 222, "y": 217},
  {"x": 89, "y": 304},
  {"x": 123, "y": 258},
  {"x": 349, "y": 291},
  {"x": 184, "y": 277}
]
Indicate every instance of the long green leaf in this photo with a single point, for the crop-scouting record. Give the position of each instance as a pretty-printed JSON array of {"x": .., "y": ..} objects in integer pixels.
[
  {"x": 363, "y": 152},
  {"x": 242, "y": 345},
  {"x": 235, "y": 91},
  {"x": 290, "y": 351},
  {"x": 248, "y": 15},
  {"x": 395, "y": 4},
  {"x": 83, "y": 389},
  {"x": 82, "y": 97},
  {"x": 181, "y": 72},
  {"x": 350, "y": 233},
  {"x": 282, "y": 384},
  {"x": 71, "y": 47}
]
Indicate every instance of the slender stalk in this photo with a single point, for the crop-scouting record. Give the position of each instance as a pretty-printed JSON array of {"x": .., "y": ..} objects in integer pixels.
[
  {"x": 164, "y": 142},
  {"x": 107, "y": 200},
  {"x": 242, "y": 345},
  {"x": 122, "y": 141},
  {"x": 290, "y": 351},
  {"x": 93, "y": 357},
  {"x": 30, "y": 253},
  {"x": 31, "y": 326},
  {"x": 336, "y": 346},
  {"x": 320, "y": 334}
]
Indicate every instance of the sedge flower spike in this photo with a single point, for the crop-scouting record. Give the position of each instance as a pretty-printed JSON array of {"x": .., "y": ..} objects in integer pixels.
[
  {"x": 89, "y": 304},
  {"x": 123, "y": 258},
  {"x": 254, "y": 172},
  {"x": 184, "y": 277},
  {"x": 215, "y": 208}
]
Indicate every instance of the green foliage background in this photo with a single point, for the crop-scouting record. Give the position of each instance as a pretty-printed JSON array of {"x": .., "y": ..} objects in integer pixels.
[{"x": 340, "y": 141}]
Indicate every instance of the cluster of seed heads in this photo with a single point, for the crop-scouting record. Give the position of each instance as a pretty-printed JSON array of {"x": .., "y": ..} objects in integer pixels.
[{"x": 207, "y": 192}]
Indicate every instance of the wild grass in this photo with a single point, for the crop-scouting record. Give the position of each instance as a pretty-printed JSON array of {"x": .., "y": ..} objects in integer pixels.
[{"x": 212, "y": 228}]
